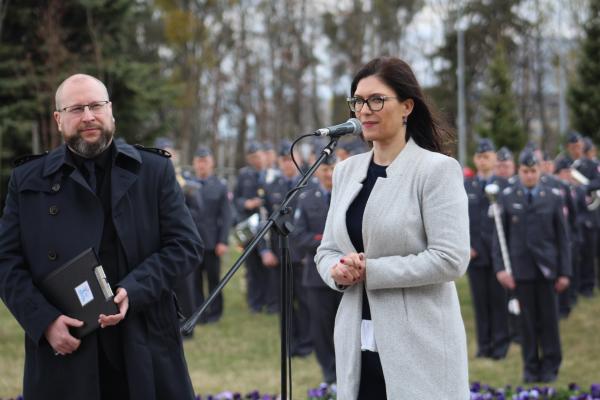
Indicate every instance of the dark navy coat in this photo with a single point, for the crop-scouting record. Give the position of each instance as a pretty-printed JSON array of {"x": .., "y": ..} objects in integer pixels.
[
  {"x": 309, "y": 223},
  {"x": 536, "y": 234},
  {"x": 51, "y": 215},
  {"x": 481, "y": 221},
  {"x": 217, "y": 212}
]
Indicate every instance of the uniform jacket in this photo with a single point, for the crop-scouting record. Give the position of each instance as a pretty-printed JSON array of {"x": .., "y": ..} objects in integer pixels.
[
  {"x": 481, "y": 220},
  {"x": 51, "y": 215},
  {"x": 249, "y": 185},
  {"x": 309, "y": 223},
  {"x": 416, "y": 240},
  {"x": 536, "y": 233},
  {"x": 217, "y": 215}
]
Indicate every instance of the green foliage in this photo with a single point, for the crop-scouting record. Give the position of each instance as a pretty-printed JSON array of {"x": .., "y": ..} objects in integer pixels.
[
  {"x": 584, "y": 91},
  {"x": 500, "y": 121},
  {"x": 485, "y": 23}
]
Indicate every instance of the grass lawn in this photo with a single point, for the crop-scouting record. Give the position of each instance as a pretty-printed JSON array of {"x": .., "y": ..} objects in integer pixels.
[{"x": 241, "y": 352}]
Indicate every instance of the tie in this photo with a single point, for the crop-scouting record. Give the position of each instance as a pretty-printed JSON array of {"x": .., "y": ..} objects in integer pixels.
[
  {"x": 529, "y": 197},
  {"x": 328, "y": 197},
  {"x": 91, "y": 172}
]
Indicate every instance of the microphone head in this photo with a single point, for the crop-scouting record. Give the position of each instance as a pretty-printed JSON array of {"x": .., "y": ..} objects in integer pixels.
[{"x": 357, "y": 126}]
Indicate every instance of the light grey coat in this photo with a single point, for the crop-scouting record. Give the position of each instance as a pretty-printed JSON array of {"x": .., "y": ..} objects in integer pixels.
[{"x": 416, "y": 239}]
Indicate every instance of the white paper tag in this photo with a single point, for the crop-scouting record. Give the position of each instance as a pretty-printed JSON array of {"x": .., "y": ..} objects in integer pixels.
[
  {"x": 367, "y": 336},
  {"x": 84, "y": 293}
]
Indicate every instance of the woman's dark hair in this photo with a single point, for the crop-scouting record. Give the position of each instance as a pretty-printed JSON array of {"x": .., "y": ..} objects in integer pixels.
[{"x": 423, "y": 125}]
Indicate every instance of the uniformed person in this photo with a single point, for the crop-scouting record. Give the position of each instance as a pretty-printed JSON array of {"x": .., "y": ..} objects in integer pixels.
[
  {"x": 214, "y": 231},
  {"x": 505, "y": 164},
  {"x": 185, "y": 288},
  {"x": 591, "y": 224},
  {"x": 577, "y": 218},
  {"x": 489, "y": 297},
  {"x": 249, "y": 198},
  {"x": 301, "y": 344},
  {"x": 309, "y": 222},
  {"x": 537, "y": 240}
]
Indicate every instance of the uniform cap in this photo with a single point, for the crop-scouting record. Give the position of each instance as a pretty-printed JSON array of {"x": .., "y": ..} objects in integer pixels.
[
  {"x": 253, "y": 147},
  {"x": 163, "y": 143},
  {"x": 202, "y": 151},
  {"x": 562, "y": 163},
  {"x": 528, "y": 158},
  {"x": 284, "y": 148},
  {"x": 504, "y": 154},
  {"x": 587, "y": 144},
  {"x": 484, "y": 145},
  {"x": 573, "y": 137}
]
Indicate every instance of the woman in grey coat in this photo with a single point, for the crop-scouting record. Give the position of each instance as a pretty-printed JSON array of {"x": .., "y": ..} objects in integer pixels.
[{"x": 396, "y": 238}]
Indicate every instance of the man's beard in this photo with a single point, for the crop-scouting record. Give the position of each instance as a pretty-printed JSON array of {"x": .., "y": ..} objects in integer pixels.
[{"x": 90, "y": 150}]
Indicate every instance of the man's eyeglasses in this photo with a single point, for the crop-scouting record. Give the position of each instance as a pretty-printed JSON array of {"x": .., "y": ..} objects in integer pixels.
[
  {"x": 375, "y": 103},
  {"x": 95, "y": 108}
]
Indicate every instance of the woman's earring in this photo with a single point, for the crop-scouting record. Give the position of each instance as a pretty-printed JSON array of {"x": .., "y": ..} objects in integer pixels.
[{"x": 404, "y": 120}]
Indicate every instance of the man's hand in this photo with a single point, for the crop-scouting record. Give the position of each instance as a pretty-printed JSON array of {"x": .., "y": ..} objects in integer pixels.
[
  {"x": 561, "y": 284},
  {"x": 59, "y": 337},
  {"x": 269, "y": 259},
  {"x": 122, "y": 302},
  {"x": 506, "y": 280},
  {"x": 221, "y": 249}
]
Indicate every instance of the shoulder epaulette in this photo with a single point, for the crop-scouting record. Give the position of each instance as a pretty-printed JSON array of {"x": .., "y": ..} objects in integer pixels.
[
  {"x": 26, "y": 158},
  {"x": 507, "y": 190},
  {"x": 160, "y": 152}
]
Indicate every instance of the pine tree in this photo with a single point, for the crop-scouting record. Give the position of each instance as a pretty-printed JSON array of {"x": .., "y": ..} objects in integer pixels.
[
  {"x": 584, "y": 91},
  {"x": 500, "y": 121}
]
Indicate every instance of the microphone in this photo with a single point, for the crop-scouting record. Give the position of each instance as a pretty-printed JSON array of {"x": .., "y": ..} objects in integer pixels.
[{"x": 350, "y": 127}]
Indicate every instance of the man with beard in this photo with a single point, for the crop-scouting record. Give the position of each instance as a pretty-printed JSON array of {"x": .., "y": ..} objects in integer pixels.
[{"x": 124, "y": 202}]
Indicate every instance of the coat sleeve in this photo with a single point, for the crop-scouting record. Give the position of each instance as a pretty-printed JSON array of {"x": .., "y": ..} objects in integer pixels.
[
  {"x": 562, "y": 235},
  {"x": 444, "y": 211},
  {"x": 179, "y": 252},
  {"x": 224, "y": 217},
  {"x": 328, "y": 253},
  {"x": 17, "y": 290}
]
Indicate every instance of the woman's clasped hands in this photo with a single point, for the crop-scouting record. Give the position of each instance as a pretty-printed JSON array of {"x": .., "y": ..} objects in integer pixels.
[{"x": 350, "y": 269}]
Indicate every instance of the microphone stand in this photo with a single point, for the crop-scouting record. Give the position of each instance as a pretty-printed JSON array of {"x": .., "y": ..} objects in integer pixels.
[{"x": 283, "y": 228}]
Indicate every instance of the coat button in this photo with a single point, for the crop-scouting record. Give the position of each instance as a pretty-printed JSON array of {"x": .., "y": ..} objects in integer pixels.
[
  {"x": 56, "y": 187},
  {"x": 53, "y": 210},
  {"x": 52, "y": 255}
]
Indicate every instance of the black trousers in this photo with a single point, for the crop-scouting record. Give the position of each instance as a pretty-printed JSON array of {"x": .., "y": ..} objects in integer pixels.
[
  {"x": 539, "y": 328},
  {"x": 587, "y": 272},
  {"x": 301, "y": 321},
  {"x": 372, "y": 382},
  {"x": 323, "y": 303},
  {"x": 491, "y": 312},
  {"x": 210, "y": 272},
  {"x": 257, "y": 277}
]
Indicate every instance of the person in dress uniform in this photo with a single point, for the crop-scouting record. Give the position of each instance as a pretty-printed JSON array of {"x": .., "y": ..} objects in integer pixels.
[
  {"x": 214, "y": 231},
  {"x": 323, "y": 302},
  {"x": 538, "y": 245},
  {"x": 249, "y": 198},
  {"x": 587, "y": 167},
  {"x": 489, "y": 297},
  {"x": 301, "y": 343},
  {"x": 577, "y": 218},
  {"x": 505, "y": 164},
  {"x": 185, "y": 289}
]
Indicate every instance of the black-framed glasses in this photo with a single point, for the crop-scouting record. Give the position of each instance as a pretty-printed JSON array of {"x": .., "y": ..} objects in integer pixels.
[
  {"x": 375, "y": 103},
  {"x": 78, "y": 109}
]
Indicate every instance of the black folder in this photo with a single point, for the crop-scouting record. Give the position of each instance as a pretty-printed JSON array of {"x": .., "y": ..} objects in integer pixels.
[{"x": 80, "y": 290}]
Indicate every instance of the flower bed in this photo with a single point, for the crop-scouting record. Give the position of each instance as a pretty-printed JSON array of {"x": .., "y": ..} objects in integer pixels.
[{"x": 478, "y": 392}]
